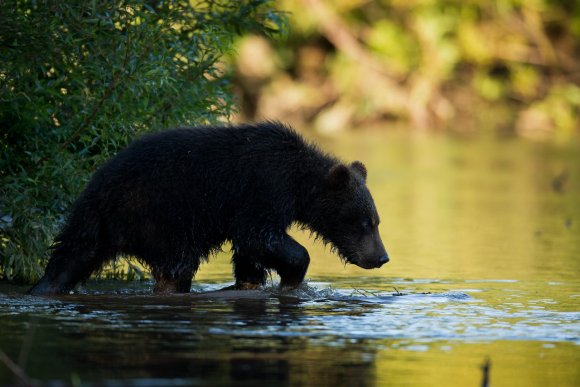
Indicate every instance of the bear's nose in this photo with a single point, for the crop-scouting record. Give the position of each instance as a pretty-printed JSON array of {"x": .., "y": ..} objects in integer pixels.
[{"x": 383, "y": 259}]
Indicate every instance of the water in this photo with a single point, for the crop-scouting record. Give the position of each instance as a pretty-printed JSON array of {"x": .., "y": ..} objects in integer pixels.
[{"x": 485, "y": 250}]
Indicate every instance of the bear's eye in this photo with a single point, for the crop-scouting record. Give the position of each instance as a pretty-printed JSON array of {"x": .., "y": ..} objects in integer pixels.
[{"x": 366, "y": 225}]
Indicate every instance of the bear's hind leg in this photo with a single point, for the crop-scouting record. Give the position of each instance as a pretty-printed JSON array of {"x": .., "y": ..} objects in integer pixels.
[{"x": 66, "y": 268}]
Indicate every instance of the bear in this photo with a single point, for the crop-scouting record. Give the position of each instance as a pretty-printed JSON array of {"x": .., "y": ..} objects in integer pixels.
[{"x": 174, "y": 197}]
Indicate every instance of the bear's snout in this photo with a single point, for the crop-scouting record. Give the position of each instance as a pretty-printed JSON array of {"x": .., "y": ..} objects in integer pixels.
[
  {"x": 371, "y": 262},
  {"x": 371, "y": 253},
  {"x": 383, "y": 259},
  {"x": 379, "y": 261}
]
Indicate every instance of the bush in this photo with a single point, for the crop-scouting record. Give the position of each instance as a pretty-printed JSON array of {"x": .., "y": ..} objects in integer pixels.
[
  {"x": 464, "y": 66},
  {"x": 80, "y": 79}
]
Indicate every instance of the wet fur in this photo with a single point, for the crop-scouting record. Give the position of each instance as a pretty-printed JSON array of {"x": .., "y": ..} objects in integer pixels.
[{"x": 173, "y": 198}]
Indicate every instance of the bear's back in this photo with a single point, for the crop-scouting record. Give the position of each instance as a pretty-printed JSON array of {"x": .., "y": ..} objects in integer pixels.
[
  {"x": 210, "y": 144},
  {"x": 209, "y": 167}
]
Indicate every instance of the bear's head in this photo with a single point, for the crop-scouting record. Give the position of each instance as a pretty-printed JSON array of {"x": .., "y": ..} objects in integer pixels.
[{"x": 347, "y": 218}]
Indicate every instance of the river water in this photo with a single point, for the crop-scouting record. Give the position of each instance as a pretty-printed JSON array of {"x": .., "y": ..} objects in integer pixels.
[{"x": 485, "y": 256}]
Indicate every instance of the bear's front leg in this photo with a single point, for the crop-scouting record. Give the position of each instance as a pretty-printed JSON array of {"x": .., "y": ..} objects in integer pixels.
[
  {"x": 248, "y": 271},
  {"x": 167, "y": 282},
  {"x": 290, "y": 260},
  {"x": 283, "y": 254}
]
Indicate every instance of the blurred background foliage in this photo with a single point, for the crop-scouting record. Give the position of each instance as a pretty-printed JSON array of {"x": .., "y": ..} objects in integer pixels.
[
  {"x": 507, "y": 66},
  {"x": 80, "y": 79}
]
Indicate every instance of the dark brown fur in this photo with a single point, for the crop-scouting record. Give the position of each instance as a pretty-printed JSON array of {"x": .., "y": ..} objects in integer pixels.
[{"x": 174, "y": 197}]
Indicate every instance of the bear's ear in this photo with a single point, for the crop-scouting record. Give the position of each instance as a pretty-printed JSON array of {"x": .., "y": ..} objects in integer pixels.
[
  {"x": 360, "y": 168},
  {"x": 338, "y": 176}
]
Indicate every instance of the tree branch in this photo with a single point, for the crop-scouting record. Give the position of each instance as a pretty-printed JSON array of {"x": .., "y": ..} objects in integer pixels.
[{"x": 16, "y": 370}]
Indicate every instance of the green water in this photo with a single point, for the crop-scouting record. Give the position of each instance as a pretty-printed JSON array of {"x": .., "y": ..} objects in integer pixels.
[{"x": 485, "y": 256}]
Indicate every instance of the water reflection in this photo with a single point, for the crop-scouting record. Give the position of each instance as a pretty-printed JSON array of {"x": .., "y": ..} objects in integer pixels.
[{"x": 299, "y": 336}]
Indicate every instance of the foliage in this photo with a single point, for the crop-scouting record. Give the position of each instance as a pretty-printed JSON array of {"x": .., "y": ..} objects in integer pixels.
[
  {"x": 80, "y": 79},
  {"x": 436, "y": 63}
]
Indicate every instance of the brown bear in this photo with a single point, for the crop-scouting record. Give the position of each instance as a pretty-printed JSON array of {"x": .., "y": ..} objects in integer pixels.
[{"x": 174, "y": 197}]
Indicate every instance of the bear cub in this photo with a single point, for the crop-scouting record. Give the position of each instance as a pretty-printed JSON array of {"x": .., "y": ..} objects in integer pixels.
[{"x": 173, "y": 198}]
